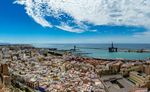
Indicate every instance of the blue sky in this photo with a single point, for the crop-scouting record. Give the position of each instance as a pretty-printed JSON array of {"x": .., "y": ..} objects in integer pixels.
[{"x": 16, "y": 26}]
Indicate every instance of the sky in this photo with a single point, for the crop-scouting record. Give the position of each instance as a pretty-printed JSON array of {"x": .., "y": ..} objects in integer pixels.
[{"x": 74, "y": 21}]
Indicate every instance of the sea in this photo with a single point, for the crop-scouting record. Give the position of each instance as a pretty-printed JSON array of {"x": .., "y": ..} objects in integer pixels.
[{"x": 101, "y": 50}]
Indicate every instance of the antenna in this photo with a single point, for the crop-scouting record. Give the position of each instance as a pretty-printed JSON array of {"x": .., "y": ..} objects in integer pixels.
[{"x": 112, "y": 45}]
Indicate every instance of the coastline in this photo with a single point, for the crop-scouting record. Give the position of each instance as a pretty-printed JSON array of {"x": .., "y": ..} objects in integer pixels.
[
  {"x": 43, "y": 68},
  {"x": 83, "y": 53}
]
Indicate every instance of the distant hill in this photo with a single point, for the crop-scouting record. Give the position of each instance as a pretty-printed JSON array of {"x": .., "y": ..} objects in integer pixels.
[{"x": 4, "y": 43}]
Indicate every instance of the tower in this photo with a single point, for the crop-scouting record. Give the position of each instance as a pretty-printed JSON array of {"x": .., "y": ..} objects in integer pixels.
[
  {"x": 74, "y": 48},
  {"x": 112, "y": 45},
  {"x": 112, "y": 48},
  {"x": 6, "y": 80}
]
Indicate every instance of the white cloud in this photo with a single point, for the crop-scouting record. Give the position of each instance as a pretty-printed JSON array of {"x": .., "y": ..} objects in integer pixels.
[
  {"x": 145, "y": 34},
  {"x": 42, "y": 21},
  {"x": 70, "y": 29},
  {"x": 97, "y": 12}
]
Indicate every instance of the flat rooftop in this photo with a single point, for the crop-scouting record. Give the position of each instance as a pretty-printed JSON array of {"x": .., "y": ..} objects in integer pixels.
[{"x": 116, "y": 83}]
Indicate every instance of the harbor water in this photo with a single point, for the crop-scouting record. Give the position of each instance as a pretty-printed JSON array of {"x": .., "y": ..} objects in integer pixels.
[{"x": 101, "y": 50}]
